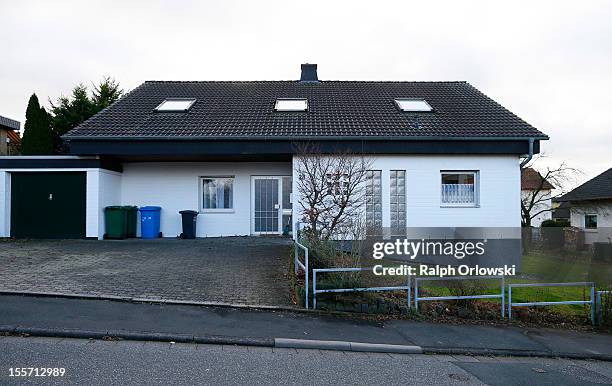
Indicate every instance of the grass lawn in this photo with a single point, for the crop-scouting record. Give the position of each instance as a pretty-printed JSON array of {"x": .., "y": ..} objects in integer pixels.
[{"x": 535, "y": 268}]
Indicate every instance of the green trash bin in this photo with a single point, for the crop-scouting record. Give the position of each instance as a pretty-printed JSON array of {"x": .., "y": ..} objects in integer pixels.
[
  {"x": 115, "y": 222},
  {"x": 132, "y": 220}
]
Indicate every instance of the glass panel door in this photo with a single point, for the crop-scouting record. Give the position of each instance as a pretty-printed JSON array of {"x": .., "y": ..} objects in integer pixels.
[{"x": 266, "y": 205}]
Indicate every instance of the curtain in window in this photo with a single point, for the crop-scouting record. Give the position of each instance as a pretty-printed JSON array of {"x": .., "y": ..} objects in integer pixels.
[{"x": 217, "y": 193}]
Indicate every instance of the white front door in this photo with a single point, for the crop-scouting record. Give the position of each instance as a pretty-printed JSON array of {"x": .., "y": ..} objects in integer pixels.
[{"x": 267, "y": 204}]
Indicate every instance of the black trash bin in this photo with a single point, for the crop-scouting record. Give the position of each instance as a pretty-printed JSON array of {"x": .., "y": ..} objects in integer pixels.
[{"x": 189, "y": 218}]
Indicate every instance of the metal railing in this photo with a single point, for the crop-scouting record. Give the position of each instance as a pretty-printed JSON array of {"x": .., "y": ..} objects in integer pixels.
[
  {"x": 458, "y": 194},
  {"x": 590, "y": 285},
  {"x": 501, "y": 294},
  {"x": 298, "y": 265},
  {"x": 316, "y": 291},
  {"x": 599, "y": 303}
]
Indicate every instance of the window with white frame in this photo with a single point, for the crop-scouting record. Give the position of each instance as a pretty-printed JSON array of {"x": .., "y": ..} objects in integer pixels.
[
  {"x": 217, "y": 193},
  {"x": 590, "y": 221},
  {"x": 459, "y": 188}
]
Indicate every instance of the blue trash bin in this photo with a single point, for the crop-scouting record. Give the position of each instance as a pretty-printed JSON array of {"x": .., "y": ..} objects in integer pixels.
[{"x": 149, "y": 222}]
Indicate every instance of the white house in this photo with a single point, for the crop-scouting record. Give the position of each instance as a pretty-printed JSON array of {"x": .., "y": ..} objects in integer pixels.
[
  {"x": 443, "y": 155},
  {"x": 536, "y": 195},
  {"x": 591, "y": 208}
]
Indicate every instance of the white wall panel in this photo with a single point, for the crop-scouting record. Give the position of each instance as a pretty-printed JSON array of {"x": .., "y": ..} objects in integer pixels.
[
  {"x": 175, "y": 186},
  {"x": 499, "y": 187},
  {"x": 109, "y": 194}
]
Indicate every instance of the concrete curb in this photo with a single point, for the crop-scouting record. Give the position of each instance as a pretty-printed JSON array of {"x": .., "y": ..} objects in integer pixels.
[
  {"x": 515, "y": 353},
  {"x": 289, "y": 343},
  {"x": 346, "y": 346},
  {"x": 155, "y": 301},
  {"x": 141, "y": 336}
]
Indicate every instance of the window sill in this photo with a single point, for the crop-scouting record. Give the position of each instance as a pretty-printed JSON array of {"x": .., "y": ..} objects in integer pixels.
[
  {"x": 210, "y": 211},
  {"x": 459, "y": 206}
]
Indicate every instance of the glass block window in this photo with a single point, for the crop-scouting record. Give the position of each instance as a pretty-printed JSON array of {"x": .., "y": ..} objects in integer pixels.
[
  {"x": 397, "y": 200},
  {"x": 373, "y": 199}
]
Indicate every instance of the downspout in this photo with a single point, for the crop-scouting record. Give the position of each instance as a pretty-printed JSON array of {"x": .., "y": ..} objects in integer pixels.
[{"x": 530, "y": 155}]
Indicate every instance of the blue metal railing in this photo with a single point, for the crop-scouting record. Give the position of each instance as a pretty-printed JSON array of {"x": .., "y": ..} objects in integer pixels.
[
  {"x": 298, "y": 265},
  {"x": 316, "y": 291},
  {"x": 590, "y": 285},
  {"x": 501, "y": 294}
]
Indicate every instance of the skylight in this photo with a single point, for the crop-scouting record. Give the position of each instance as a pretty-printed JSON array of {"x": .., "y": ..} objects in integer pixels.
[
  {"x": 413, "y": 105},
  {"x": 291, "y": 105},
  {"x": 175, "y": 104}
]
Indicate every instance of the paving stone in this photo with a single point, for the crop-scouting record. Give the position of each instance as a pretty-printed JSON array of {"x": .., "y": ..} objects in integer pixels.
[{"x": 240, "y": 270}]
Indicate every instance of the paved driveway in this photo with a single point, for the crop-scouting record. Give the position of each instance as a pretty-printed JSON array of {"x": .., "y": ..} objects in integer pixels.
[{"x": 239, "y": 270}]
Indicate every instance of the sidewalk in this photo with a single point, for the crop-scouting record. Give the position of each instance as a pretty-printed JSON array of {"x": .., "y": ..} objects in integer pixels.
[{"x": 50, "y": 316}]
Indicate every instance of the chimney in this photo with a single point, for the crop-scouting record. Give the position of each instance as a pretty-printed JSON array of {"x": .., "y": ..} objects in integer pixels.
[{"x": 309, "y": 73}]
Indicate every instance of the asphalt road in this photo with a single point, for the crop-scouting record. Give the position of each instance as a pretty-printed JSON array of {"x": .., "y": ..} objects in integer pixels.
[{"x": 132, "y": 362}]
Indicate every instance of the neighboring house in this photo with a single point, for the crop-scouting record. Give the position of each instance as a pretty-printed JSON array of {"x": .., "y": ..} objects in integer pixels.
[
  {"x": 443, "y": 155},
  {"x": 591, "y": 208},
  {"x": 8, "y": 135},
  {"x": 14, "y": 143},
  {"x": 561, "y": 210},
  {"x": 536, "y": 194}
]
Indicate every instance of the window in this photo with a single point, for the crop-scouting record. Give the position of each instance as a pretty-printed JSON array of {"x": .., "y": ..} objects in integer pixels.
[
  {"x": 373, "y": 201},
  {"x": 175, "y": 105},
  {"x": 459, "y": 188},
  {"x": 291, "y": 105},
  {"x": 413, "y": 105},
  {"x": 337, "y": 183},
  {"x": 217, "y": 193},
  {"x": 590, "y": 221},
  {"x": 397, "y": 199}
]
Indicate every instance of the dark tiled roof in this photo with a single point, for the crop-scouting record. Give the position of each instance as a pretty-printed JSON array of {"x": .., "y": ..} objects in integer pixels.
[
  {"x": 598, "y": 188},
  {"x": 9, "y": 124},
  {"x": 531, "y": 179},
  {"x": 335, "y": 109}
]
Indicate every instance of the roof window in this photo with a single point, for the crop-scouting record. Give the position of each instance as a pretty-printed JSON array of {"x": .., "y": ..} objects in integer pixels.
[
  {"x": 175, "y": 105},
  {"x": 287, "y": 104},
  {"x": 413, "y": 105}
]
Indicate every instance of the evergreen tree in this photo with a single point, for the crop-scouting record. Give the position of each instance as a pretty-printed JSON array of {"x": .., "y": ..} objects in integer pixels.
[
  {"x": 106, "y": 93},
  {"x": 37, "y": 134},
  {"x": 69, "y": 112}
]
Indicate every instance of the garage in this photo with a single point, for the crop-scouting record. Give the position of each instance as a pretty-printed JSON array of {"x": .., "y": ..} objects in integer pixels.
[{"x": 48, "y": 205}]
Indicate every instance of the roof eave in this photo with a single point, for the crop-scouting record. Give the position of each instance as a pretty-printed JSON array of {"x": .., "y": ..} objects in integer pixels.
[{"x": 301, "y": 138}]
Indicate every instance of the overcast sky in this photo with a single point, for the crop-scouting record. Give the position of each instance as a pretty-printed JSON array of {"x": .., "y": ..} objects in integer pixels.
[{"x": 549, "y": 62}]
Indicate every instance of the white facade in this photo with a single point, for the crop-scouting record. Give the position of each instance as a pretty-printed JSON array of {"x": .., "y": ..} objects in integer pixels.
[
  {"x": 498, "y": 190},
  {"x": 176, "y": 186},
  {"x": 603, "y": 211},
  {"x": 543, "y": 205}
]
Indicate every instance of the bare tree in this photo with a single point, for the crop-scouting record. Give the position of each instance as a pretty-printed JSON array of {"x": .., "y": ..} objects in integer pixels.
[
  {"x": 331, "y": 189},
  {"x": 550, "y": 183}
]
